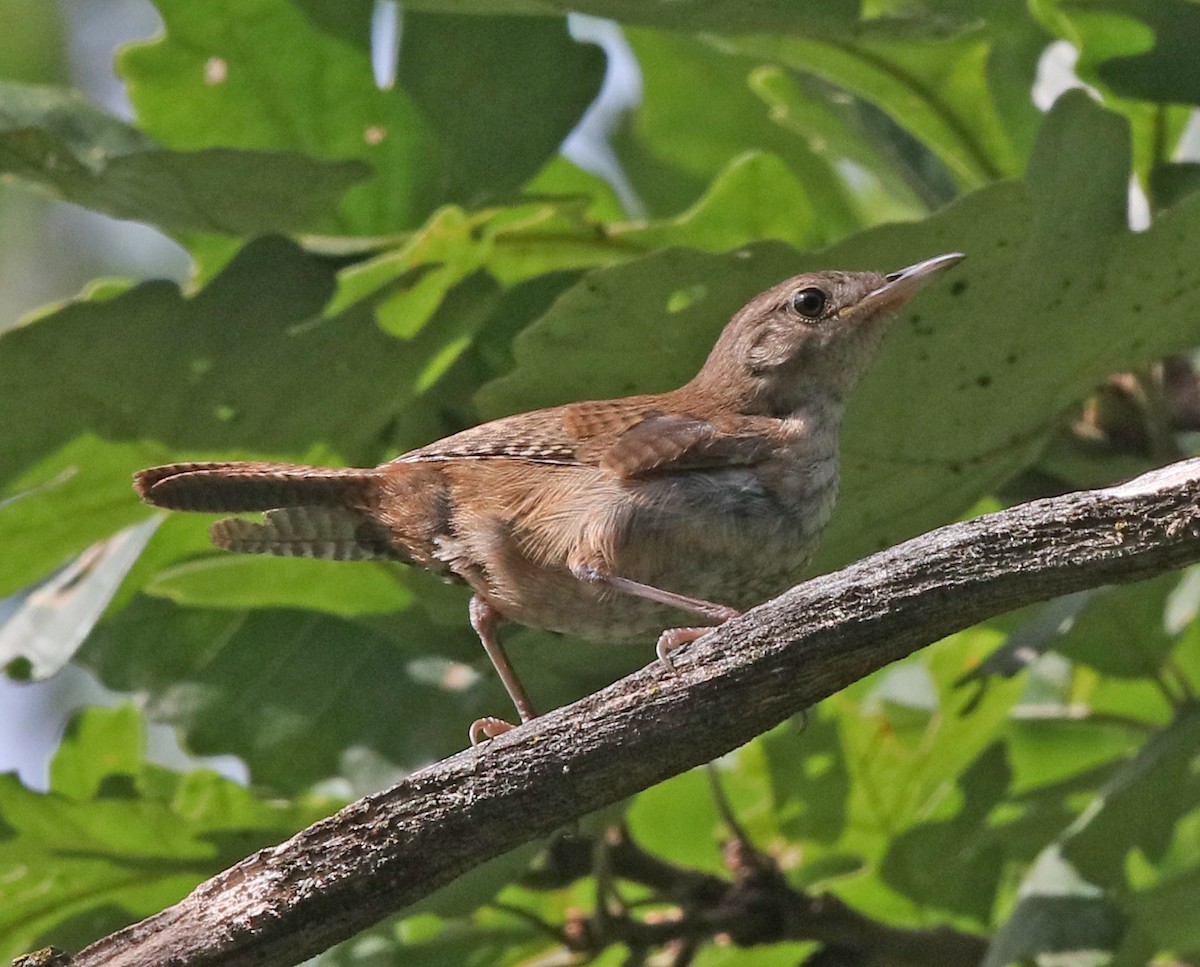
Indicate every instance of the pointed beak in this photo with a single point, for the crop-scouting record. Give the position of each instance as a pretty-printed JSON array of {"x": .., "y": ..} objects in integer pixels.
[{"x": 901, "y": 286}]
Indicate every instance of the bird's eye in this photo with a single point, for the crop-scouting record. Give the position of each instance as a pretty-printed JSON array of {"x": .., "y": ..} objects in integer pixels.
[{"x": 809, "y": 302}]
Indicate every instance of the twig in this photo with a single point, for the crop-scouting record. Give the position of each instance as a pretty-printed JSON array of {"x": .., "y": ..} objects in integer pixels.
[{"x": 757, "y": 906}]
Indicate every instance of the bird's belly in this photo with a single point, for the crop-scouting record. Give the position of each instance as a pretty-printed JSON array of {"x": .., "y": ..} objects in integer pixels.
[
  {"x": 724, "y": 537},
  {"x": 719, "y": 536}
]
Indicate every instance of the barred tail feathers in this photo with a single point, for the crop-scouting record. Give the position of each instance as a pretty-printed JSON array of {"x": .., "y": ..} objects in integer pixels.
[
  {"x": 326, "y": 533},
  {"x": 250, "y": 486}
]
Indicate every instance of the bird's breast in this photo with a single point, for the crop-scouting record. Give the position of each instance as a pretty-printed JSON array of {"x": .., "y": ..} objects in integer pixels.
[{"x": 736, "y": 536}]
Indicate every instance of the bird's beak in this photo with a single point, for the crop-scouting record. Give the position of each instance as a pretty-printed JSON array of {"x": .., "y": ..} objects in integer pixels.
[{"x": 900, "y": 286}]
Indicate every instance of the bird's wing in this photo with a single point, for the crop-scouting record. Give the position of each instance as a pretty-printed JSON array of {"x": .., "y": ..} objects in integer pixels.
[
  {"x": 537, "y": 437},
  {"x": 572, "y": 435},
  {"x": 630, "y": 438},
  {"x": 665, "y": 443}
]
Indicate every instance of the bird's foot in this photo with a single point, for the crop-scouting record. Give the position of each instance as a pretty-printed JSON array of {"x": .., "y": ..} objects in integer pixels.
[
  {"x": 675, "y": 638},
  {"x": 488, "y": 728}
]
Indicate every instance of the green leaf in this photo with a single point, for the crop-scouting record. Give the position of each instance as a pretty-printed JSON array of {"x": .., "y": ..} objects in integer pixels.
[
  {"x": 1171, "y": 183},
  {"x": 443, "y": 134},
  {"x": 71, "y": 445},
  {"x": 729, "y": 15},
  {"x": 237, "y": 581},
  {"x": 73, "y": 498},
  {"x": 1121, "y": 631},
  {"x": 1060, "y": 919},
  {"x": 756, "y": 196},
  {"x": 902, "y": 762},
  {"x": 832, "y": 129},
  {"x": 678, "y": 821},
  {"x": 700, "y": 111},
  {"x": 57, "y": 140},
  {"x": 117, "y": 838},
  {"x": 1048, "y": 751},
  {"x": 472, "y": 76},
  {"x": 219, "y": 60},
  {"x": 1160, "y": 73},
  {"x": 291, "y": 691},
  {"x": 97, "y": 746},
  {"x": 810, "y": 783},
  {"x": 1113, "y": 37},
  {"x": 429, "y": 941},
  {"x": 1166, "y": 912},
  {"x": 408, "y": 284},
  {"x": 1139, "y": 805},
  {"x": 933, "y": 88},
  {"x": 970, "y": 855},
  {"x": 157, "y": 342},
  {"x": 185, "y": 377},
  {"x": 31, "y": 46}
]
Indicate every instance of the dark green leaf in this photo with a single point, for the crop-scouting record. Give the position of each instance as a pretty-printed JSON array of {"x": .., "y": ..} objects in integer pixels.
[
  {"x": 443, "y": 133},
  {"x": 934, "y": 88},
  {"x": 1171, "y": 183},
  {"x": 1060, "y": 917},
  {"x": 154, "y": 342},
  {"x": 731, "y": 15},
  {"x": 1072, "y": 931},
  {"x": 1163, "y": 73},
  {"x": 810, "y": 785},
  {"x": 1167, "y": 913},
  {"x": 59, "y": 141},
  {"x": 1121, "y": 631},
  {"x": 472, "y": 76},
  {"x": 956, "y": 864},
  {"x": 700, "y": 111},
  {"x": 1139, "y": 805},
  {"x": 189, "y": 375},
  {"x": 220, "y": 60}
]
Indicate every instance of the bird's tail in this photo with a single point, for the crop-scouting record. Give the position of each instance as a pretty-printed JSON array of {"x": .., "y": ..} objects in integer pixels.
[
  {"x": 246, "y": 486},
  {"x": 310, "y": 511}
]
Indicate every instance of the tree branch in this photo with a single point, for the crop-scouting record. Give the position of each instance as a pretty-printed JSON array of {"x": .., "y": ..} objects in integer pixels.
[
  {"x": 376, "y": 856},
  {"x": 758, "y": 906}
]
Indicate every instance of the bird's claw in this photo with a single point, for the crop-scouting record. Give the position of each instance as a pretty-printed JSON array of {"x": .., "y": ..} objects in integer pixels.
[
  {"x": 487, "y": 728},
  {"x": 674, "y": 638}
]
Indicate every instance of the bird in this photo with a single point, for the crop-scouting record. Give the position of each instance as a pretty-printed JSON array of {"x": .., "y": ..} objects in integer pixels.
[{"x": 605, "y": 520}]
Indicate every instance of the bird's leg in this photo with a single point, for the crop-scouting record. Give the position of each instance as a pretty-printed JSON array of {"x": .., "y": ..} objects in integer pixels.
[
  {"x": 483, "y": 620},
  {"x": 672, "y": 638}
]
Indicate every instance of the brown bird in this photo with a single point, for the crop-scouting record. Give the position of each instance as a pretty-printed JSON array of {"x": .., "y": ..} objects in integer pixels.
[{"x": 605, "y": 519}]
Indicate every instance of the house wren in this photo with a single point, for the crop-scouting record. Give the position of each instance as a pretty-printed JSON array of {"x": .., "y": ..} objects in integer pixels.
[{"x": 608, "y": 519}]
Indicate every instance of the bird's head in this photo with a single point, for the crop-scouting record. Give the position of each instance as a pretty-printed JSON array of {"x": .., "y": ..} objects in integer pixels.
[{"x": 814, "y": 334}]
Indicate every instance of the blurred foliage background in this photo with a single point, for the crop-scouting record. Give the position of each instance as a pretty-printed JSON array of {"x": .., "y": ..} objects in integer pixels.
[{"x": 375, "y": 240}]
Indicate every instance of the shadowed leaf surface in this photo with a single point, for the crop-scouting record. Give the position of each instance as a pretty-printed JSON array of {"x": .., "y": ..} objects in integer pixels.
[{"x": 60, "y": 141}]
